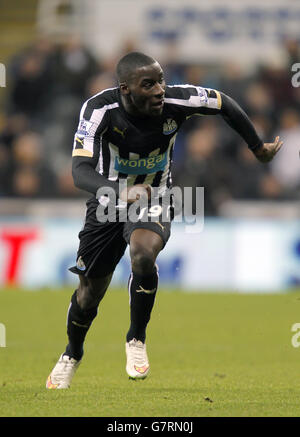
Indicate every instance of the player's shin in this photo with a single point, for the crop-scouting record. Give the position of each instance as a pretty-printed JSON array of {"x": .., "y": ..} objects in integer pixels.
[
  {"x": 142, "y": 292},
  {"x": 78, "y": 324}
]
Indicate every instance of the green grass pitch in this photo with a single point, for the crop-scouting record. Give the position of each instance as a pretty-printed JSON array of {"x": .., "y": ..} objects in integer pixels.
[{"x": 211, "y": 354}]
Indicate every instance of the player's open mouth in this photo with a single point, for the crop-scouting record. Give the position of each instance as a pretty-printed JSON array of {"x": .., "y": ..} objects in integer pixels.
[{"x": 158, "y": 104}]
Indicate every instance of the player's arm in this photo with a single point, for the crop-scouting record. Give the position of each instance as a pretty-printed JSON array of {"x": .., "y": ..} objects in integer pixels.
[
  {"x": 87, "y": 178},
  {"x": 86, "y": 149},
  {"x": 235, "y": 117},
  {"x": 85, "y": 156}
]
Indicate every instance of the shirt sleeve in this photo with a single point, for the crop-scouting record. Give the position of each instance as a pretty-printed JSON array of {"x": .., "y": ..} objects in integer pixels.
[
  {"x": 212, "y": 99},
  {"x": 86, "y": 148},
  {"x": 92, "y": 124},
  {"x": 207, "y": 101},
  {"x": 194, "y": 100}
]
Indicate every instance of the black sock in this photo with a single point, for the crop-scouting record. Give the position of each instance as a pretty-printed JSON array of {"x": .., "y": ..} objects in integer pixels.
[
  {"x": 78, "y": 323},
  {"x": 141, "y": 303}
]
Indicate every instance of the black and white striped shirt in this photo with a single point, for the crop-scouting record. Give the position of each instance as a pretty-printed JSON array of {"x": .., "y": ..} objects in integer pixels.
[{"x": 138, "y": 149}]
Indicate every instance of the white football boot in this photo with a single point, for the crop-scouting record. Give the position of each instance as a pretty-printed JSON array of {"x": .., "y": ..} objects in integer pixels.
[
  {"x": 62, "y": 373},
  {"x": 137, "y": 365}
]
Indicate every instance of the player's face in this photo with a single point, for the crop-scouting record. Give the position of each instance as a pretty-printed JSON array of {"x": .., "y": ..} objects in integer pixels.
[{"x": 146, "y": 90}]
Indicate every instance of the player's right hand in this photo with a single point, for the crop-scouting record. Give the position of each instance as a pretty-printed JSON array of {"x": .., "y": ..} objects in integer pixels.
[{"x": 135, "y": 192}]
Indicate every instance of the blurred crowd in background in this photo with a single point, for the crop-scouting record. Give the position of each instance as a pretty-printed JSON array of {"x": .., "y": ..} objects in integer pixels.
[{"x": 48, "y": 83}]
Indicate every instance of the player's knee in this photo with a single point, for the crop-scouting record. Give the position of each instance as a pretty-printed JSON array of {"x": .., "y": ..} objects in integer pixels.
[
  {"x": 90, "y": 292},
  {"x": 142, "y": 261}
]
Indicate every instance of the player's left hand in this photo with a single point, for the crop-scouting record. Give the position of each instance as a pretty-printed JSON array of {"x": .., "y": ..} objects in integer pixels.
[
  {"x": 135, "y": 192},
  {"x": 267, "y": 152}
]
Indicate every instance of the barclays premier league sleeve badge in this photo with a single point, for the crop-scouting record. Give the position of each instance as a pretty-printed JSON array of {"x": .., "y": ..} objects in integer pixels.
[
  {"x": 84, "y": 128},
  {"x": 202, "y": 94}
]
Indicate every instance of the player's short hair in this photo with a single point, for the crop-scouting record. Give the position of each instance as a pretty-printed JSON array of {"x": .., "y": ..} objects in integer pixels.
[{"x": 130, "y": 62}]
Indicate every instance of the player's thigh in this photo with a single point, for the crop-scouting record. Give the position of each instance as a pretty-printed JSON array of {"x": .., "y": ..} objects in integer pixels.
[
  {"x": 101, "y": 245},
  {"x": 156, "y": 221},
  {"x": 100, "y": 250},
  {"x": 146, "y": 238}
]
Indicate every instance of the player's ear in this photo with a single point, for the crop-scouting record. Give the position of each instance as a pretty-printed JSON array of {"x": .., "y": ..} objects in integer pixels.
[{"x": 124, "y": 88}]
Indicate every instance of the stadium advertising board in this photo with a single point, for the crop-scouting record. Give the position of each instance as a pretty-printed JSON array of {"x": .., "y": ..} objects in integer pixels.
[
  {"x": 228, "y": 255},
  {"x": 206, "y": 31}
]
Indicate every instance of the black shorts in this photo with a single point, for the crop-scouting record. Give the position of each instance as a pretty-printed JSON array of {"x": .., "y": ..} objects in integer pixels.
[{"x": 102, "y": 245}]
